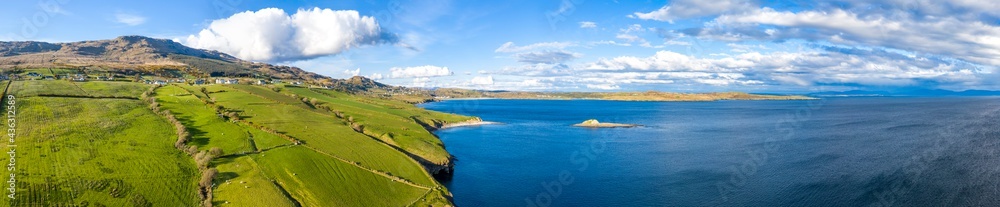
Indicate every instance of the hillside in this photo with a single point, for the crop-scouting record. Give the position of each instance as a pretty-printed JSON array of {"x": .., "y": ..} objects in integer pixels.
[
  {"x": 139, "y": 131},
  {"x": 135, "y": 144},
  {"x": 138, "y": 54}
]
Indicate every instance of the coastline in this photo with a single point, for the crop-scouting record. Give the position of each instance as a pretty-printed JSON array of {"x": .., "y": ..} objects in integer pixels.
[
  {"x": 629, "y": 100},
  {"x": 473, "y": 122}
]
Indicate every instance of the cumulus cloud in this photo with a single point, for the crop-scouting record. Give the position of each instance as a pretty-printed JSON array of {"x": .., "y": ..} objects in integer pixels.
[
  {"x": 271, "y": 34},
  {"x": 603, "y": 86},
  {"x": 950, "y": 36},
  {"x": 828, "y": 66},
  {"x": 548, "y": 57},
  {"x": 510, "y": 47},
  {"x": 353, "y": 73},
  {"x": 376, "y": 76},
  {"x": 419, "y": 72},
  {"x": 586, "y": 24},
  {"x": 129, "y": 19},
  {"x": 680, "y": 9},
  {"x": 482, "y": 81}
]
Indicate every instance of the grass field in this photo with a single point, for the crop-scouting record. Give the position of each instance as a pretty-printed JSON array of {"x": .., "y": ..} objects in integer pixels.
[
  {"x": 108, "y": 152},
  {"x": 68, "y": 88},
  {"x": 206, "y": 128},
  {"x": 323, "y": 132},
  {"x": 241, "y": 182},
  {"x": 94, "y": 144},
  {"x": 317, "y": 180},
  {"x": 392, "y": 125},
  {"x": 45, "y": 87},
  {"x": 112, "y": 88}
]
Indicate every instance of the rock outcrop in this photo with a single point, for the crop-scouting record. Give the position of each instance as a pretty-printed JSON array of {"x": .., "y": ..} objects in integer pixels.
[{"x": 593, "y": 123}]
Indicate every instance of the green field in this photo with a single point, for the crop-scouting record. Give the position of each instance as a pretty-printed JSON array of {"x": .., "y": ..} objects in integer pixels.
[
  {"x": 390, "y": 122},
  {"x": 323, "y": 132},
  {"x": 242, "y": 183},
  {"x": 317, "y": 180},
  {"x": 68, "y": 88},
  {"x": 95, "y": 144},
  {"x": 108, "y": 152}
]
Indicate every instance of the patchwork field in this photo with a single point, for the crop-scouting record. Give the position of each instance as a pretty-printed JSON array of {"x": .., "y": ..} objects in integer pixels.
[
  {"x": 99, "y": 143},
  {"x": 101, "y": 152},
  {"x": 322, "y": 132},
  {"x": 392, "y": 123}
]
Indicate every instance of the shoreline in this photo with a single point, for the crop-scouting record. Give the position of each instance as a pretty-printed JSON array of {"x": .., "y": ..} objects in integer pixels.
[
  {"x": 625, "y": 100},
  {"x": 475, "y": 122}
]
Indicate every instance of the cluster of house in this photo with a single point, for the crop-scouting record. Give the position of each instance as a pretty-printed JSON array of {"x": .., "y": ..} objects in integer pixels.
[
  {"x": 74, "y": 77},
  {"x": 164, "y": 82},
  {"x": 84, "y": 77},
  {"x": 218, "y": 81}
]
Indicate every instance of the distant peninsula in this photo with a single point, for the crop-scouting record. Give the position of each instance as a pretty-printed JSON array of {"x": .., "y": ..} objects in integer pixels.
[
  {"x": 593, "y": 123},
  {"x": 450, "y": 93}
]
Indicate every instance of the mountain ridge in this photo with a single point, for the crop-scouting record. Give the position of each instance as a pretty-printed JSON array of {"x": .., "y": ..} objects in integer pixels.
[{"x": 138, "y": 53}]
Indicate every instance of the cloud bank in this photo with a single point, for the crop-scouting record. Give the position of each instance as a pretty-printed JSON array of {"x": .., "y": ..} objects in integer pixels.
[
  {"x": 419, "y": 72},
  {"x": 272, "y": 35}
]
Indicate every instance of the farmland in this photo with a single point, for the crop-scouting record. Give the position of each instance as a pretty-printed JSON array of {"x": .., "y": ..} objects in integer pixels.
[
  {"x": 322, "y": 132},
  {"x": 99, "y": 143},
  {"x": 103, "y": 152},
  {"x": 390, "y": 122}
]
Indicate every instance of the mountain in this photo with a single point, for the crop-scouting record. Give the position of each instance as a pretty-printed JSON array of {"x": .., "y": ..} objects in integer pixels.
[{"x": 138, "y": 53}]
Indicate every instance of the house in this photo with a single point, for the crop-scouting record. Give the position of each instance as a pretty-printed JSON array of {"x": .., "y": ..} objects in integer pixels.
[
  {"x": 199, "y": 81},
  {"x": 227, "y": 81},
  {"x": 297, "y": 83},
  {"x": 79, "y": 77},
  {"x": 261, "y": 82},
  {"x": 160, "y": 82},
  {"x": 148, "y": 81},
  {"x": 49, "y": 77},
  {"x": 34, "y": 74}
]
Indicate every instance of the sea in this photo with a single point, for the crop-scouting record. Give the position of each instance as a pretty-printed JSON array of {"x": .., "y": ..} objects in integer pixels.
[{"x": 865, "y": 151}]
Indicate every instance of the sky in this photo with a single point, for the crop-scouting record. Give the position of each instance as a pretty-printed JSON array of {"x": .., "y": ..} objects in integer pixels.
[{"x": 567, "y": 45}]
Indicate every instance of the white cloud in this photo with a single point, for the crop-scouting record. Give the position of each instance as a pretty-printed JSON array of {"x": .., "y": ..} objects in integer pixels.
[
  {"x": 376, "y": 76},
  {"x": 610, "y": 42},
  {"x": 272, "y": 35},
  {"x": 419, "y": 72},
  {"x": 421, "y": 82},
  {"x": 509, "y": 47},
  {"x": 830, "y": 66},
  {"x": 680, "y": 9},
  {"x": 950, "y": 36},
  {"x": 586, "y": 24},
  {"x": 353, "y": 73},
  {"x": 603, "y": 86},
  {"x": 548, "y": 57},
  {"x": 129, "y": 19},
  {"x": 482, "y": 81}
]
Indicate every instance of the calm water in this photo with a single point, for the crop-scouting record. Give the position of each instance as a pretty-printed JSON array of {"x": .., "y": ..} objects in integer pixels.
[{"x": 832, "y": 152}]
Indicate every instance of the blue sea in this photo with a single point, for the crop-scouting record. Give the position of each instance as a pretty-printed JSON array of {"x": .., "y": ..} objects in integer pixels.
[{"x": 829, "y": 152}]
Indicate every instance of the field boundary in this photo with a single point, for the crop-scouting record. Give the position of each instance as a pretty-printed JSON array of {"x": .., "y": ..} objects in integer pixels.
[{"x": 87, "y": 96}]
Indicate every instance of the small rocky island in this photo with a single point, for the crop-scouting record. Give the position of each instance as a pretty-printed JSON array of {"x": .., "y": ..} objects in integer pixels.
[{"x": 593, "y": 123}]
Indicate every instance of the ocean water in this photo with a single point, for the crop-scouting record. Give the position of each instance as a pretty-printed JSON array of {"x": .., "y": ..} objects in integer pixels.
[{"x": 829, "y": 152}]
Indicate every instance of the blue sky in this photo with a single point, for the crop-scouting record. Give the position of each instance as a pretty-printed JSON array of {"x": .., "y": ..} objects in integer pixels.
[{"x": 568, "y": 45}]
